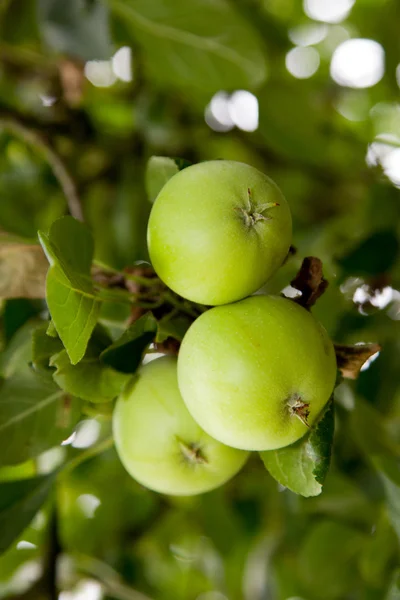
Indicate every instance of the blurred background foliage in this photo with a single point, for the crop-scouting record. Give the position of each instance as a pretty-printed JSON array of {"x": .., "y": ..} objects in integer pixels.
[{"x": 308, "y": 93}]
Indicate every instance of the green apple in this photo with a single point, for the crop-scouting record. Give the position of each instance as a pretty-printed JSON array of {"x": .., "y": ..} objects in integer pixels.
[
  {"x": 160, "y": 444},
  {"x": 217, "y": 231},
  {"x": 256, "y": 374}
]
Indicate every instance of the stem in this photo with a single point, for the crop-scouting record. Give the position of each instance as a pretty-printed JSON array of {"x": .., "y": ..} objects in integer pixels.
[
  {"x": 60, "y": 171},
  {"x": 110, "y": 578},
  {"x": 49, "y": 580},
  {"x": 102, "y": 446}
]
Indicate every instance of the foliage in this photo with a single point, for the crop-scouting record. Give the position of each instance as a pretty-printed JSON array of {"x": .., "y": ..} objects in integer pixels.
[{"x": 102, "y": 152}]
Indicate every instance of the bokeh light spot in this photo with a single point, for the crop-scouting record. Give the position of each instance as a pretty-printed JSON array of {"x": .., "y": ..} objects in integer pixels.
[
  {"x": 243, "y": 110},
  {"x": 358, "y": 63},
  {"x": 122, "y": 64},
  {"x": 308, "y": 35},
  {"x": 100, "y": 73},
  {"x": 301, "y": 62},
  {"x": 328, "y": 11}
]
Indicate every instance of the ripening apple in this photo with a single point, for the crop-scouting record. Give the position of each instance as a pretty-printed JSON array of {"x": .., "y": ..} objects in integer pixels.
[
  {"x": 255, "y": 374},
  {"x": 217, "y": 231},
  {"x": 160, "y": 444}
]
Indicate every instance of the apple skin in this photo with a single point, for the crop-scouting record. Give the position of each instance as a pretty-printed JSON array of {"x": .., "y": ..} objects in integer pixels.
[
  {"x": 202, "y": 244},
  {"x": 243, "y": 368},
  {"x": 160, "y": 444}
]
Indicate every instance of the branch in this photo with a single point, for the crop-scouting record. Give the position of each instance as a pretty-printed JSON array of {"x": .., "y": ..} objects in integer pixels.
[
  {"x": 33, "y": 138},
  {"x": 310, "y": 282},
  {"x": 350, "y": 359}
]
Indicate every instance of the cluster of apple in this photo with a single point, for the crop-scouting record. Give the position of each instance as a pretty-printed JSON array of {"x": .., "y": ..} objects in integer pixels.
[{"x": 253, "y": 372}]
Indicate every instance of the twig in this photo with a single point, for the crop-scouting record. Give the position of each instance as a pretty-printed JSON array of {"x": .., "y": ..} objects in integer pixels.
[
  {"x": 106, "y": 575},
  {"x": 310, "y": 282},
  {"x": 351, "y": 358},
  {"x": 49, "y": 580},
  {"x": 33, "y": 138},
  {"x": 91, "y": 452}
]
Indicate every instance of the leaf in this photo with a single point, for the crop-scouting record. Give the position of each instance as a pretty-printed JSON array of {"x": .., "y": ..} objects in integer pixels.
[
  {"x": 373, "y": 256},
  {"x": 174, "y": 328},
  {"x": 126, "y": 354},
  {"x": 35, "y": 414},
  {"x": 51, "y": 330},
  {"x": 327, "y": 560},
  {"x": 351, "y": 358},
  {"x": 159, "y": 170},
  {"x": 371, "y": 433},
  {"x": 19, "y": 502},
  {"x": 90, "y": 380},
  {"x": 16, "y": 312},
  {"x": 394, "y": 590},
  {"x": 302, "y": 466},
  {"x": 379, "y": 552},
  {"x": 44, "y": 346},
  {"x": 78, "y": 28},
  {"x": 23, "y": 270},
  {"x": 310, "y": 282},
  {"x": 389, "y": 472},
  {"x": 73, "y": 306},
  {"x": 208, "y": 47}
]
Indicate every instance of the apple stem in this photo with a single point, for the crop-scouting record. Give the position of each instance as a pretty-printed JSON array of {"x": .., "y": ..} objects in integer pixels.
[
  {"x": 192, "y": 452},
  {"x": 299, "y": 409}
]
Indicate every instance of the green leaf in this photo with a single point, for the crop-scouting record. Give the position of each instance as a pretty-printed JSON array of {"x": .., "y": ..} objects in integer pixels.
[
  {"x": 127, "y": 352},
  {"x": 90, "y": 380},
  {"x": 19, "y": 502},
  {"x": 44, "y": 346},
  {"x": 389, "y": 471},
  {"x": 394, "y": 590},
  {"x": 51, "y": 330},
  {"x": 174, "y": 328},
  {"x": 327, "y": 560},
  {"x": 371, "y": 433},
  {"x": 302, "y": 466},
  {"x": 35, "y": 415},
  {"x": 69, "y": 291},
  {"x": 77, "y": 28},
  {"x": 379, "y": 553},
  {"x": 208, "y": 47},
  {"x": 159, "y": 170},
  {"x": 365, "y": 260}
]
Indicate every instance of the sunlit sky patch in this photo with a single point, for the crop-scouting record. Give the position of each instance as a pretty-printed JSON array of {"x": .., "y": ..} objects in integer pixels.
[{"x": 358, "y": 63}]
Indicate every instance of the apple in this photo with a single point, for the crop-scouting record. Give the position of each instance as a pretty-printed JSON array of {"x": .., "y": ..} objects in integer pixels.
[
  {"x": 160, "y": 444},
  {"x": 256, "y": 374},
  {"x": 217, "y": 231}
]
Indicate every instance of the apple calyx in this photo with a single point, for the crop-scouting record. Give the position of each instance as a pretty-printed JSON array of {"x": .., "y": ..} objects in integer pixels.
[
  {"x": 253, "y": 213},
  {"x": 300, "y": 409},
  {"x": 192, "y": 453}
]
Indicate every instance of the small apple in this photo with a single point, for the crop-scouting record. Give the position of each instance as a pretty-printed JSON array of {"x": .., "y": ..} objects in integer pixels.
[
  {"x": 256, "y": 374},
  {"x": 160, "y": 444},
  {"x": 217, "y": 231}
]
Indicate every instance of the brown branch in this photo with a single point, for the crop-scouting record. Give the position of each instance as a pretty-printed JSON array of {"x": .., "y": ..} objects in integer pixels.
[
  {"x": 56, "y": 163},
  {"x": 310, "y": 282},
  {"x": 351, "y": 358}
]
